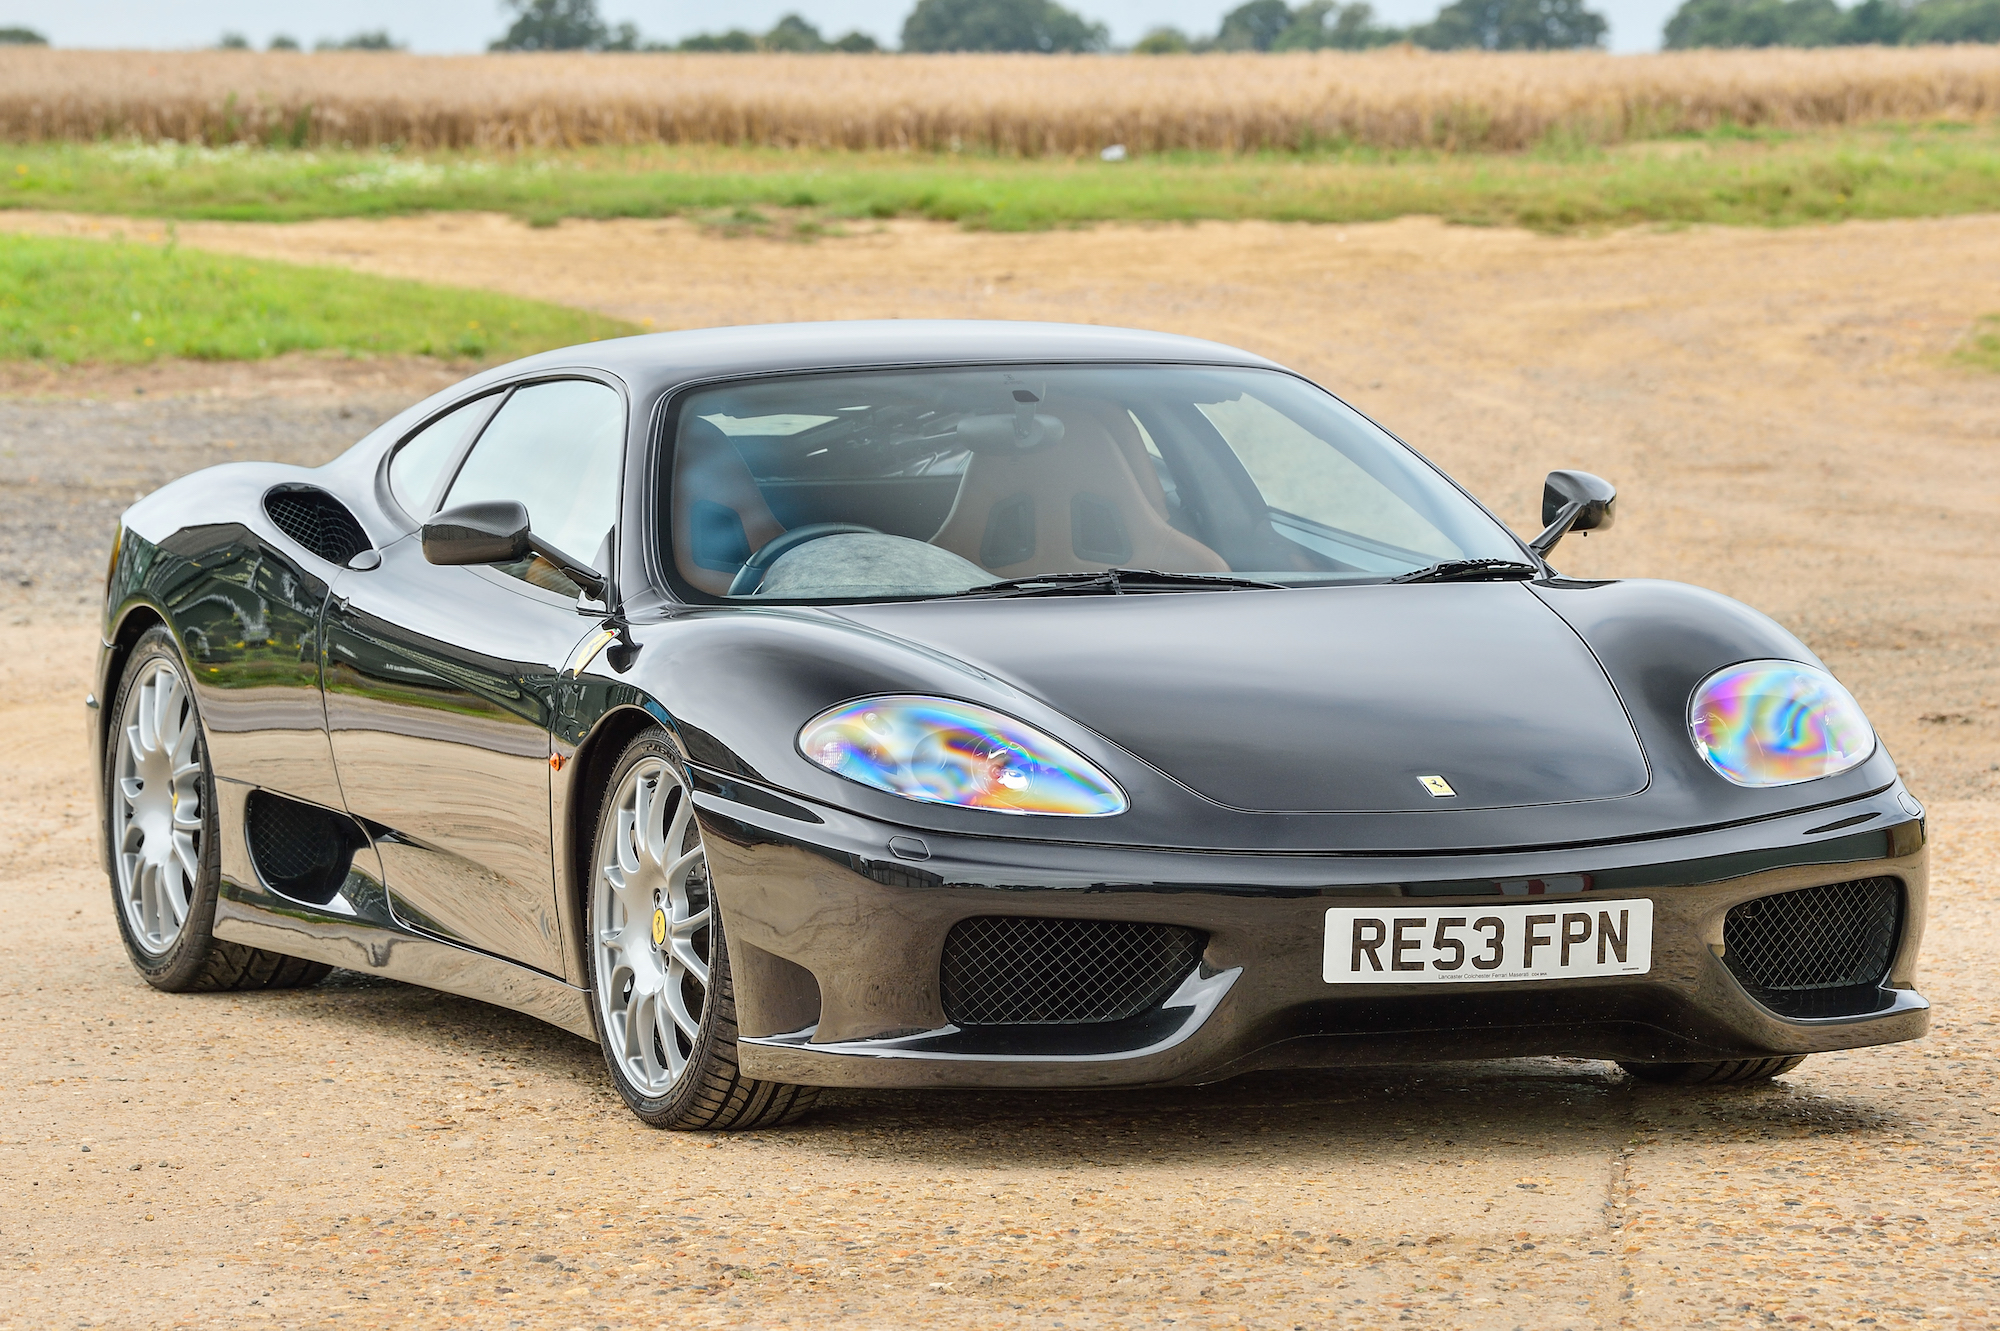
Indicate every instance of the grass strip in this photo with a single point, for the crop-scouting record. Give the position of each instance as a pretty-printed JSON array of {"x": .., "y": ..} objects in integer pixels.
[
  {"x": 1982, "y": 347},
  {"x": 110, "y": 301},
  {"x": 1730, "y": 178}
]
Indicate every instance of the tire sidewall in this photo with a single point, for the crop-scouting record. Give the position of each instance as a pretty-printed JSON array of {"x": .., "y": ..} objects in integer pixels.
[
  {"x": 673, "y": 1107},
  {"x": 181, "y": 964}
]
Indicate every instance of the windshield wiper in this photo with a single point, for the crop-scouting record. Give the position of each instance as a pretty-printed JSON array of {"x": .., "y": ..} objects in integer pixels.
[
  {"x": 1117, "y": 582},
  {"x": 1472, "y": 570}
]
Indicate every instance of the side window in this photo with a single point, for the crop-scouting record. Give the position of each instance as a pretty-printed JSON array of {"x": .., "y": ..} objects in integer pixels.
[
  {"x": 418, "y": 465},
  {"x": 556, "y": 448}
]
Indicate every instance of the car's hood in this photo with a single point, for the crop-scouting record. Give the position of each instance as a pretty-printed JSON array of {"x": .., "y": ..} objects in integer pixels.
[{"x": 1322, "y": 700}]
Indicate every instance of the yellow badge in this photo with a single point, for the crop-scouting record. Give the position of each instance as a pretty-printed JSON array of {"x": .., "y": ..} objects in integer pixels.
[
  {"x": 659, "y": 927},
  {"x": 1436, "y": 785}
]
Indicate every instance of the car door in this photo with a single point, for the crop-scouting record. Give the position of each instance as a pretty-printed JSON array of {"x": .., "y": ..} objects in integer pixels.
[{"x": 440, "y": 682}]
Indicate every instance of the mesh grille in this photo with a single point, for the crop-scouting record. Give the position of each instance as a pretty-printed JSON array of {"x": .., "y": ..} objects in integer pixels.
[
  {"x": 1006, "y": 971},
  {"x": 318, "y": 521},
  {"x": 300, "y": 850},
  {"x": 1818, "y": 938}
]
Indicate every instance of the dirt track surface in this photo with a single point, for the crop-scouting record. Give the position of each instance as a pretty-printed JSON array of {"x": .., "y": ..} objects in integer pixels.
[{"x": 1777, "y": 411}]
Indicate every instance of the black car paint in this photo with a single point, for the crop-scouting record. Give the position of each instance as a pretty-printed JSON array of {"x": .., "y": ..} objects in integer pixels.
[{"x": 277, "y": 638}]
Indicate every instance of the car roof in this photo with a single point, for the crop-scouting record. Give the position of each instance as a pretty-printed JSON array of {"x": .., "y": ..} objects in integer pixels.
[{"x": 656, "y": 361}]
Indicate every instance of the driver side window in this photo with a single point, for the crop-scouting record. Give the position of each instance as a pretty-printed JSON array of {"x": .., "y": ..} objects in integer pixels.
[{"x": 555, "y": 447}]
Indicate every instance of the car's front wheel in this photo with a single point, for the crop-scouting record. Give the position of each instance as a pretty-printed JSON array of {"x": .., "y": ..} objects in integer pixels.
[
  {"x": 662, "y": 999},
  {"x": 160, "y": 806},
  {"x": 1714, "y": 1074}
]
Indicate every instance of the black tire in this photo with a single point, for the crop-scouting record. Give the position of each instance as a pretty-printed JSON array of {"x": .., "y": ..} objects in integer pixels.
[
  {"x": 1714, "y": 1074},
  {"x": 195, "y": 961},
  {"x": 711, "y": 1094}
]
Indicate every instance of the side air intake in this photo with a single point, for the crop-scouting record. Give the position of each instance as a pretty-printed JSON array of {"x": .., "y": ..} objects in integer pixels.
[
  {"x": 318, "y": 521},
  {"x": 301, "y": 850}
]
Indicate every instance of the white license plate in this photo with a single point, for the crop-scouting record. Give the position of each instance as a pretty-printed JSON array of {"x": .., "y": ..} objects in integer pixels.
[{"x": 1482, "y": 944}]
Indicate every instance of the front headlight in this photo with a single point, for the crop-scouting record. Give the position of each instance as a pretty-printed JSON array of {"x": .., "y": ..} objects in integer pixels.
[
  {"x": 1776, "y": 723},
  {"x": 945, "y": 752}
]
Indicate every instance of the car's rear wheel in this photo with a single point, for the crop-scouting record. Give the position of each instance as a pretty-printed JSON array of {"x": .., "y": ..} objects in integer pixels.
[
  {"x": 662, "y": 998},
  {"x": 160, "y": 806},
  {"x": 1714, "y": 1074}
]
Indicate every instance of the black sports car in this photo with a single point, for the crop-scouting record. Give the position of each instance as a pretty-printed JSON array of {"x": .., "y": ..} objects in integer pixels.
[{"x": 978, "y": 704}]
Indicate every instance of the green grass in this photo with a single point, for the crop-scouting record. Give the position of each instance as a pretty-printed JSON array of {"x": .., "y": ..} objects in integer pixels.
[
  {"x": 1726, "y": 177},
  {"x": 1982, "y": 348},
  {"x": 108, "y": 301}
]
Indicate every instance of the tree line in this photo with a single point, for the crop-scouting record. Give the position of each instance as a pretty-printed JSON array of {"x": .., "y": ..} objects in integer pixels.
[{"x": 1259, "y": 25}]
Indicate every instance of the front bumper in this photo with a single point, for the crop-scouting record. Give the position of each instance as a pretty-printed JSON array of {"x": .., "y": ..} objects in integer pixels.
[{"x": 836, "y": 940}]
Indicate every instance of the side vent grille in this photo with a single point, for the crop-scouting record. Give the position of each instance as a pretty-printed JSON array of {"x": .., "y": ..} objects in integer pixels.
[
  {"x": 302, "y": 851},
  {"x": 318, "y": 521},
  {"x": 1003, "y": 971},
  {"x": 1817, "y": 951}
]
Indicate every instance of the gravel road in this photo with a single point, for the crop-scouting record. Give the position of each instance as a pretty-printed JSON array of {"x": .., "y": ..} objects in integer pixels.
[{"x": 369, "y": 1154}]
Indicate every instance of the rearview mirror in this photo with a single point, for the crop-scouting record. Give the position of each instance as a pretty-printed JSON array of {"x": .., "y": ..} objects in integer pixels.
[
  {"x": 495, "y": 532},
  {"x": 1574, "y": 501}
]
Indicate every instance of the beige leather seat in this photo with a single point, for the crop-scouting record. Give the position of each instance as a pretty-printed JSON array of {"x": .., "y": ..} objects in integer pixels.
[
  {"x": 1090, "y": 501},
  {"x": 720, "y": 518}
]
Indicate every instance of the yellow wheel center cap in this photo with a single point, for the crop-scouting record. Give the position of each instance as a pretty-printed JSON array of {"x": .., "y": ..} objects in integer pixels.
[{"x": 659, "y": 927}]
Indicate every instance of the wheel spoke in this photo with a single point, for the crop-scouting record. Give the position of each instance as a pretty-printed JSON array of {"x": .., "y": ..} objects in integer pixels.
[
  {"x": 684, "y": 955},
  {"x": 677, "y": 871},
  {"x": 655, "y": 826},
  {"x": 174, "y": 890},
  {"x": 188, "y": 859},
  {"x": 676, "y": 836},
  {"x": 670, "y": 1040},
  {"x": 677, "y": 1004}
]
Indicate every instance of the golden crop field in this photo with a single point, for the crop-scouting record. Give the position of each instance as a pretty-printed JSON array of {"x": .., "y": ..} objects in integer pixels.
[{"x": 1005, "y": 104}]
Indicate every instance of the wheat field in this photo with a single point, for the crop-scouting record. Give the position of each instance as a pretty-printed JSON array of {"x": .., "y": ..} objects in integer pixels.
[{"x": 1003, "y": 104}]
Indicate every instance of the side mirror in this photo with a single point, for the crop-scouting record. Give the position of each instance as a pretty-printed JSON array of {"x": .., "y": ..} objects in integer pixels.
[
  {"x": 496, "y": 532},
  {"x": 1574, "y": 501},
  {"x": 490, "y": 533}
]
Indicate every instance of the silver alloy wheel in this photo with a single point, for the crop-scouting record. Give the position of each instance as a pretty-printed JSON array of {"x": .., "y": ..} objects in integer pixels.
[
  {"x": 651, "y": 909},
  {"x": 157, "y": 796}
]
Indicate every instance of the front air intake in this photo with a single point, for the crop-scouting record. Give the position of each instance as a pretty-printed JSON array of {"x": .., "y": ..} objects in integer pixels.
[
  {"x": 1007, "y": 971},
  {"x": 318, "y": 521},
  {"x": 1819, "y": 951}
]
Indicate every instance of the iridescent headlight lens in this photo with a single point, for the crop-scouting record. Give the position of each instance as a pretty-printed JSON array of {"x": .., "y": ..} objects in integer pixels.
[
  {"x": 945, "y": 752},
  {"x": 1775, "y": 723}
]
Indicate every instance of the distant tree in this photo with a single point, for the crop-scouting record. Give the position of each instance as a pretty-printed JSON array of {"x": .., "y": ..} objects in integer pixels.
[
  {"x": 553, "y": 25},
  {"x": 1954, "y": 21},
  {"x": 856, "y": 43},
  {"x": 282, "y": 43},
  {"x": 22, "y": 37},
  {"x": 1163, "y": 41},
  {"x": 793, "y": 33},
  {"x": 1255, "y": 26},
  {"x": 1878, "y": 22},
  {"x": 1328, "y": 25},
  {"x": 232, "y": 41},
  {"x": 379, "y": 40},
  {"x": 1753, "y": 23},
  {"x": 1001, "y": 25},
  {"x": 1516, "y": 25},
  {"x": 734, "y": 40}
]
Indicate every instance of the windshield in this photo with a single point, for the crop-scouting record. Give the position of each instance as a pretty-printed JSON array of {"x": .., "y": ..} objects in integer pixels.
[{"x": 935, "y": 482}]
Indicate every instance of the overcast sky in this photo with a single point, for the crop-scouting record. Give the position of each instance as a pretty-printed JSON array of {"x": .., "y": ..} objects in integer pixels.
[{"x": 467, "y": 25}]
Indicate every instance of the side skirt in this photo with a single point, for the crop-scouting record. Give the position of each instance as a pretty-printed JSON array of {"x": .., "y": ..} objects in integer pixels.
[{"x": 357, "y": 931}]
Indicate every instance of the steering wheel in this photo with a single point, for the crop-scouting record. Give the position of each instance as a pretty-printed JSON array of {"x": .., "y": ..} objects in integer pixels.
[{"x": 751, "y": 576}]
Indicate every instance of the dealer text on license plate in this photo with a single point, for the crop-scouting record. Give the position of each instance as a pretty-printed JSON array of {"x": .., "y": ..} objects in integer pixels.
[{"x": 1543, "y": 941}]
